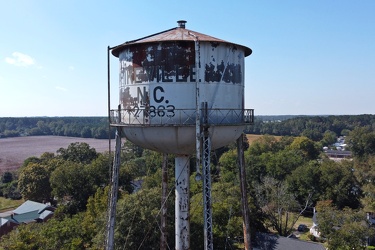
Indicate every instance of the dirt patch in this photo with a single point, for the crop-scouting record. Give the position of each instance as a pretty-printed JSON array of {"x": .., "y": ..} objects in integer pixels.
[{"x": 14, "y": 151}]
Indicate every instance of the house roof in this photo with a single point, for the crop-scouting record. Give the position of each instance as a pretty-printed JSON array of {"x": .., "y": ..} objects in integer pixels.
[
  {"x": 6, "y": 222},
  {"x": 30, "y": 206},
  {"x": 274, "y": 242},
  {"x": 29, "y": 211},
  {"x": 339, "y": 152},
  {"x": 45, "y": 214},
  {"x": 3, "y": 221},
  {"x": 6, "y": 214}
]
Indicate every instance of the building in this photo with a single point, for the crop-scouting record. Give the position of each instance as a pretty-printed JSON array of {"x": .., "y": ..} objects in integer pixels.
[
  {"x": 28, "y": 212},
  {"x": 266, "y": 241}
]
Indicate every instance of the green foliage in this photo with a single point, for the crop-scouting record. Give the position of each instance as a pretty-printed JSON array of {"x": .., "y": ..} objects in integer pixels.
[
  {"x": 304, "y": 181},
  {"x": 86, "y": 127},
  {"x": 26, "y": 237},
  {"x": 137, "y": 221},
  {"x": 264, "y": 144},
  {"x": 344, "y": 229},
  {"x": 7, "y": 177},
  {"x": 281, "y": 163},
  {"x": 329, "y": 138},
  {"x": 229, "y": 167},
  {"x": 33, "y": 183},
  {"x": 312, "y": 127},
  {"x": 278, "y": 204},
  {"x": 226, "y": 215},
  {"x": 339, "y": 184},
  {"x": 306, "y": 146},
  {"x": 78, "y": 152},
  {"x": 362, "y": 141},
  {"x": 72, "y": 184},
  {"x": 365, "y": 175}
]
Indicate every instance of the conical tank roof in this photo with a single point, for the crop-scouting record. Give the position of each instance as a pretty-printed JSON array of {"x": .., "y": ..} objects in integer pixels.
[{"x": 179, "y": 33}]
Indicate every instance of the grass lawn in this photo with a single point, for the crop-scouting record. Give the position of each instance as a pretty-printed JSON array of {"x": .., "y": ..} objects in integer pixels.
[
  {"x": 308, "y": 222},
  {"x": 7, "y": 204},
  {"x": 304, "y": 220}
]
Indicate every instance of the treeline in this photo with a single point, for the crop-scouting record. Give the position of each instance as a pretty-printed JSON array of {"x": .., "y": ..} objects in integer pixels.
[
  {"x": 86, "y": 127},
  {"x": 312, "y": 127}
]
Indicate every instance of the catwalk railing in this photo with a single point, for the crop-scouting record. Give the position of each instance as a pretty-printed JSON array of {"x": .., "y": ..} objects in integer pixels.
[{"x": 179, "y": 117}]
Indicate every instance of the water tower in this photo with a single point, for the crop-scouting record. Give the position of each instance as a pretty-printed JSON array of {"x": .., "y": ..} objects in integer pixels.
[{"x": 182, "y": 92}]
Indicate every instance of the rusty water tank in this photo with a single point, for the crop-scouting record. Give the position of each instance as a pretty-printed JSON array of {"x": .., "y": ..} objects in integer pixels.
[{"x": 165, "y": 76}]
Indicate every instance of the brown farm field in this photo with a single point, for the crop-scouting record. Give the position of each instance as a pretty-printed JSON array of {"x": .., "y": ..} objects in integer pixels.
[
  {"x": 251, "y": 137},
  {"x": 14, "y": 151}
]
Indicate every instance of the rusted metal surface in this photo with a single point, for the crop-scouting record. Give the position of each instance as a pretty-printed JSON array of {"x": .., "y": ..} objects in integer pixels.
[
  {"x": 175, "y": 34},
  {"x": 159, "y": 78}
]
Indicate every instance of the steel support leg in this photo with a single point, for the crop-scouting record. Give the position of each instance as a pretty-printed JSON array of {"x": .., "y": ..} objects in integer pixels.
[
  {"x": 207, "y": 195},
  {"x": 206, "y": 161},
  {"x": 182, "y": 202},
  {"x": 163, "y": 218},
  {"x": 113, "y": 193}
]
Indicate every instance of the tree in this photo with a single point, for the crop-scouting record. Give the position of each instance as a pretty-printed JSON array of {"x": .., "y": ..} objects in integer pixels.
[
  {"x": 72, "y": 185},
  {"x": 362, "y": 141},
  {"x": 303, "y": 181},
  {"x": 95, "y": 218},
  {"x": 365, "y": 175},
  {"x": 329, "y": 138},
  {"x": 264, "y": 144},
  {"x": 343, "y": 229},
  {"x": 338, "y": 183},
  {"x": 7, "y": 177},
  {"x": 306, "y": 146},
  {"x": 33, "y": 183},
  {"x": 281, "y": 163},
  {"x": 78, "y": 152},
  {"x": 137, "y": 220},
  {"x": 279, "y": 205},
  {"x": 226, "y": 215},
  {"x": 27, "y": 237},
  {"x": 228, "y": 167},
  {"x": 86, "y": 132}
]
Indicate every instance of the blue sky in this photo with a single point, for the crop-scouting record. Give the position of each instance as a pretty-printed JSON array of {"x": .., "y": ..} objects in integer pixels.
[{"x": 309, "y": 57}]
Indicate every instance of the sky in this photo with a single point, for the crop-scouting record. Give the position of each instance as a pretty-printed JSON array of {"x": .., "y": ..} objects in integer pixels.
[{"x": 312, "y": 57}]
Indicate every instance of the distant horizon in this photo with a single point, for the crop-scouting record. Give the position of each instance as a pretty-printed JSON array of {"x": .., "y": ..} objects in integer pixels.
[{"x": 107, "y": 116}]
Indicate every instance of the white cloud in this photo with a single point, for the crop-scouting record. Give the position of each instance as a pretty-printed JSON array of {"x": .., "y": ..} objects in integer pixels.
[
  {"x": 61, "y": 88},
  {"x": 71, "y": 68},
  {"x": 20, "y": 59}
]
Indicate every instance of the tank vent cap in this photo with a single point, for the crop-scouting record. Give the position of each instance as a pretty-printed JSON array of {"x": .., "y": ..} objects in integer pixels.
[{"x": 181, "y": 24}]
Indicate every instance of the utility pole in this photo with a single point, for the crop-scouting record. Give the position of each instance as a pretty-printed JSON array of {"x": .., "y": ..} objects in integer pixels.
[{"x": 243, "y": 185}]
